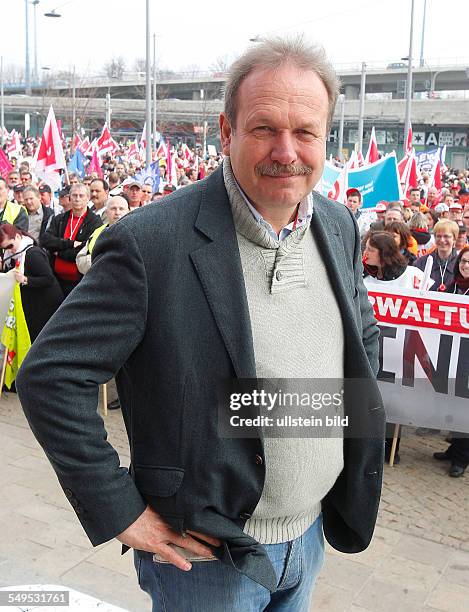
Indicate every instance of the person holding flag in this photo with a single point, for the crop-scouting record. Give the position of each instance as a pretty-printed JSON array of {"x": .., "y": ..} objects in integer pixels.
[{"x": 36, "y": 296}]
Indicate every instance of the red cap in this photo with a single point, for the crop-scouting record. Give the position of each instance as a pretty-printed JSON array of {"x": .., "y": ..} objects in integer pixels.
[{"x": 352, "y": 192}]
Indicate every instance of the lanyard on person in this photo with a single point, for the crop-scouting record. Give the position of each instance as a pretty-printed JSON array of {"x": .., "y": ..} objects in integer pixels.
[
  {"x": 442, "y": 287},
  {"x": 74, "y": 229},
  {"x": 456, "y": 287}
]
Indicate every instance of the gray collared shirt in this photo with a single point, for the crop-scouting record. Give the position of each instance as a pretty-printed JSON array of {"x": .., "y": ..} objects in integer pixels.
[{"x": 35, "y": 222}]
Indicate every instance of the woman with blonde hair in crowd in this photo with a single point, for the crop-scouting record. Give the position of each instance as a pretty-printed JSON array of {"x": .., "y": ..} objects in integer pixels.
[{"x": 445, "y": 234}]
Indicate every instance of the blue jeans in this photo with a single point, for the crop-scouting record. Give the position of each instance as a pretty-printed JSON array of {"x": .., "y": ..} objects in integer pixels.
[{"x": 211, "y": 586}]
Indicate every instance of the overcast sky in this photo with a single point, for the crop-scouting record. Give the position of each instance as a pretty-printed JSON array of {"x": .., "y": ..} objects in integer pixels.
[{"x": 197, "y": 32}]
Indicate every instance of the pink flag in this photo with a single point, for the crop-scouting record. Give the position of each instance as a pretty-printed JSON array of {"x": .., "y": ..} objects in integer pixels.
[
  {"x": 5, "y": 165},
  {"x": 94, "y": 164},
  {"x": 408, "y": 141},
  {"x": 49, "y": 158},
  {"x": 372, "y": 154}
]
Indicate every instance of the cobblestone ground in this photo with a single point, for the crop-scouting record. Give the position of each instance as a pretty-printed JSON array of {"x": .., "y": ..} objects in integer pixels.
[{"x": 418, "y": 560}]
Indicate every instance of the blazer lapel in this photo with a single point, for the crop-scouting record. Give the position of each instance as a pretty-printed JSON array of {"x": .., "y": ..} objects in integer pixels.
[
  {"x": 327, "y": 234},
  {"x": 218, "y": 266}
]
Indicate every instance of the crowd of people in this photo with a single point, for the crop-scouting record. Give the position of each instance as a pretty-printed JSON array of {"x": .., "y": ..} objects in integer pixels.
[{"x": 397, "y": 240}]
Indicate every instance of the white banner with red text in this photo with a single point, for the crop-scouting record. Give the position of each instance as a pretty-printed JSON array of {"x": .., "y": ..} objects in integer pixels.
[{"x": 424, "y": 357}]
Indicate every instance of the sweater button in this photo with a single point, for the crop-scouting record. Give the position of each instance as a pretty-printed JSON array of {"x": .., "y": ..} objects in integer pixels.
[
  {"x": 259, "y": 460},
  {"x": 279, "y": 275}
]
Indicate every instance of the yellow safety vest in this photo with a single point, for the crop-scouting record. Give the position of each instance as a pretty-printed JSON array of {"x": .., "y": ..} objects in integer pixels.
[
  {"x": 94, "y": 236},
  {"x": 11, "y": 212}
]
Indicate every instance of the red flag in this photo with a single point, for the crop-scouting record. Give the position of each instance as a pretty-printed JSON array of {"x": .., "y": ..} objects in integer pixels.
[
  {"x": 95, "y": 166},
  {"x": 413, "y": 175},
  {"x": 104, "y": 142},
  {"x": 408, "y": 141},
  {"x": 372, "y": 154},
  {"x": 133, "y": 150},
  {"x": 436, "y": 178},
  {"x": 49, "y": 158},
  {"x": 161, "y": 152},
  {"x": 84, "y": 145},
  {"x": 361, "y": 161},
  {"x": 187, "y": 152},
  {"x": 5, "y": 165}
]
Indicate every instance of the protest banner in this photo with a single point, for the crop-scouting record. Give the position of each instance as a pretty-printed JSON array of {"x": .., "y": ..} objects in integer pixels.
[
  {"x": 424, "y": 357},
  {"x": 7, "y": 285},
  {"x": 376, "y": 182}
]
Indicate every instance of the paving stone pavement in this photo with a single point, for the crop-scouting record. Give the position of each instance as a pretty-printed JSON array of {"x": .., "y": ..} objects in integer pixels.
[{"x": 418, "y": 560}]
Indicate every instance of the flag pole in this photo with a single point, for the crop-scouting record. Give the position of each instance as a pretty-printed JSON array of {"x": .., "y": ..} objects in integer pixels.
[{"x": 409, "y": 73}]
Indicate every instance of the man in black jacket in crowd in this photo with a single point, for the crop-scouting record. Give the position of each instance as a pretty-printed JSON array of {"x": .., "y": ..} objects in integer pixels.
[{"x": 67, "y": 234}]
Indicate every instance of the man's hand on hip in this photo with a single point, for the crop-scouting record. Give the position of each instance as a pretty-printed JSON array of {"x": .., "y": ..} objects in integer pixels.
[{"x": 150, "y": 533}]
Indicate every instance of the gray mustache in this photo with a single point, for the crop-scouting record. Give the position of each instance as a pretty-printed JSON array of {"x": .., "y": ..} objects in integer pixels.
[{"x": 279, "y": 169}]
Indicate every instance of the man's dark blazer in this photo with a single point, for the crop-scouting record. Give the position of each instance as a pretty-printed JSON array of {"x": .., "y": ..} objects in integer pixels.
[
  {"x": 53, "y": 238},
  {"x": 164, "y": 306}
]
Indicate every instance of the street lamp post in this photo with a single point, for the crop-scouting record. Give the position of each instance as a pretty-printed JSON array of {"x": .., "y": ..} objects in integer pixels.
[
  {"x": 74, "y": 109},
  {"x": 27, "y": 69},
  {"x": 362, "y": 107},
  {"x": 148, "y": 88},
  {"x": 422, "y": 40},
  {"x": 409, "y": 74},
  {"x": 341, "y": 126},
  {"x": 35, "y": 71}
]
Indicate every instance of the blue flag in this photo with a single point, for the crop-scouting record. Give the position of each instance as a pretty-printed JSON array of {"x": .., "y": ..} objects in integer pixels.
[
  {"x": 150, "y": 176},
  {"x": 76, "y": 164},
  {"x": 376, "y": 182}
]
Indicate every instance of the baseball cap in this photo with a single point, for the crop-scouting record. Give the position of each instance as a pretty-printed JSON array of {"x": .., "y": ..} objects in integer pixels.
[
  {"x": 455, "y": 206},
  {"x": 45, "y": 189},
  {"x": 440, "y": 208},
  {"x": 130, "y": 182},
  {"x": 380, "y": 207},
  {"x": 18, "y": 188},
  {"x": 353, "y": 192},
  {"x": 65, "y": 191}
]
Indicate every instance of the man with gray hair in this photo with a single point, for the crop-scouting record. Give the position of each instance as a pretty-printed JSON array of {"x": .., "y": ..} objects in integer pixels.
[
  {"x": 67, "y": 234},
  {"x": 245, "y": 275}
]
